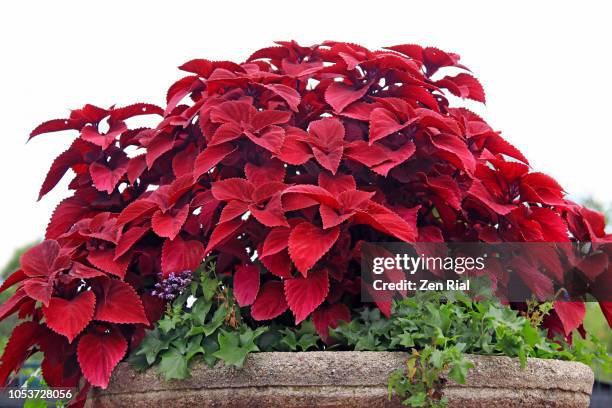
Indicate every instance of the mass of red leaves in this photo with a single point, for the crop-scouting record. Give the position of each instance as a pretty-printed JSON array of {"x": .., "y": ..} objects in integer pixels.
[{"x": 281, "y": 166}]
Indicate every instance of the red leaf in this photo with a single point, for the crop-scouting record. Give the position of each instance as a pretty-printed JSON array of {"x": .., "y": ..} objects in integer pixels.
[
  {"x": 606, "y": 309},
  {"x": 158, "y": 146},
  {"x": 129, "y": 239},
  {"x": 13, "y": 278},
  {"x": 382, "y": 124},
  {"x": 327, "y": 317},
  {"x": 270, "y": 301},
  {"x": 464, "y": 86},
  {"x": 308, "y": 244},
  {"x": 136, "y": 166},
  {"x": 246, "y": 284},
  {"x": 571, "y": 314},
  {"x": 179, "y": 255},
  {"x": 305, "y": 294},
  {"x": 104, "y": 259},
  {"x": 104, "y": 178},
  {"x": 39, "y": 289},
  {"x": 168, "y": 225},
  {"x": 232, "y": 189},
  {"x": 387, "y": 221},
  {"x": 23, "y": 337},
  {"x": 104, "y": 140},
  {"x": 65, "y": 215},
  {"x": 118, "y": 302},
  {"x": 210, "y": 157},
  {"x": 454, "y": 150},
  {"x": 479, "y": 191},
  {"x": 540, "y": 284},
  {"x": 70, "y": 317},
  {"x": 554, "y": 228},
  {"x": 135, "y": 210},
  {"x": 276, "y": 240},
  {"x": 58, "y": 169},
  {"x": 290, "y": 95},
  {"x": 594, "y": 265},
  {"x": 294, "y": 149},
  {"x": 98, "y": 354},
  {"x": 327, "y": 142},
  {"x": 222, "y": 233},
  {"x": 278, "y": 264},
  {"x": 43, "y": 260},
  {"x": 339, "y": 95},
  {"x": 137, "y": 109},
  {"x": 57, "y": 125},
  {"x": 13, "y": 303}
]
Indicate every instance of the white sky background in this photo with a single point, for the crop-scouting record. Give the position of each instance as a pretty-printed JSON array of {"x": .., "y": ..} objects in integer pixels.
[{"x": 545, "y": 67}]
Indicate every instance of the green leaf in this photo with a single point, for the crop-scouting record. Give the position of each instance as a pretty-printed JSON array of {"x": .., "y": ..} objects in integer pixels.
[
  {"x": 173, "y": 365},
  {"x": 194, "y": 347},
  {"x": 229, "y": 349},
  {"x": 459, "y": 370},
  {"x": 200, "y": 310}
]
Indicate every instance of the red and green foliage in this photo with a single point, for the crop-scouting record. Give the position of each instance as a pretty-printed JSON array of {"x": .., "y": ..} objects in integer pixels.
[{"x": 281, "y": 167}]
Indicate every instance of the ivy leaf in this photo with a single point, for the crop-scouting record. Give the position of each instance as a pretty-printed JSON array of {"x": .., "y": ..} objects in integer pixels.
[
  {"x": 459, "y": 370},
  {"x": 173, "y": 365},
  {"x": 194, "y": 347},
  {"x": 200, "y": 310},
  {"x": 229, "y": 349},
  {"x": 210, "y": 347}
]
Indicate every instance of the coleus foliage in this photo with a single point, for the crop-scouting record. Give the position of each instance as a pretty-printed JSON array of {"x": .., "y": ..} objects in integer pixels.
[{"x": 281, "y": 167}]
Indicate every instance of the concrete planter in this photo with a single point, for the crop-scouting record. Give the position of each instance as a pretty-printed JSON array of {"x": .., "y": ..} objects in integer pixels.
[{"x": 345, "y": 379}]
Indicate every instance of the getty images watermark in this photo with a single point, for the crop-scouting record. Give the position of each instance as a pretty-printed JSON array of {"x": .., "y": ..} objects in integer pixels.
[
  {"x": 410, "y": 265},
  {"x": 514, "y": 272}
]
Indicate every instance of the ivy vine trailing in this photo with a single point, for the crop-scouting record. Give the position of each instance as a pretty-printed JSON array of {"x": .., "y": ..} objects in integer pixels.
[{"x": 438, "y": 330}]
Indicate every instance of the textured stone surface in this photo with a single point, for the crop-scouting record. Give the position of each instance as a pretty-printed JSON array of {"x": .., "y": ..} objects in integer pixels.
[{"x": 345, "y": 379}]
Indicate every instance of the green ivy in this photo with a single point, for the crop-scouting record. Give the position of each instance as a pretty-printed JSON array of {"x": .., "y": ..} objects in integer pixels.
[
  {"x": 441, "y": 328},
  {"x": 437, "y": 329}
]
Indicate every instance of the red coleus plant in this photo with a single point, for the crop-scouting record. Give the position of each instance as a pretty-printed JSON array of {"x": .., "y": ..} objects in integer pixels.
[{"x": 281, "y": 167}]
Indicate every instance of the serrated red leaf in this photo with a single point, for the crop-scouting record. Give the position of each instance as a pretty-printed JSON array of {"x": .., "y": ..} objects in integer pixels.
[
  {"x": 105, "y": 178},
  {"x": 222, "y": 233},
  {"x": 118, "y": 302},
  {"x": 13, "y": 303},
  {"x": 13, "y": 279},
  {"x": 304, "y": 295},
  {"x": 246, "y": 284},
  {"x": 276, "y": 240},
  {"x": 104, "y": 259},
  {"x": 210, "y": 157},
  {"x": 180, "y": 255},
  {"x": 137, "y": 109},
  {"x": 169, "y": 224},
  {"x": 39, "y": 289},
  {"x": 308, "y": 243},
  {"x": 104, "y": 140},
  {"x": 339, "y": 95},
  {"x": 389, "y": 222},
  {"x": 464, "y": 86},
  {"x": 571, "y": 314},
  {"x": 329, "y": 317},
  {"x": 44, "y": 260},
  {"x": 98, "y": 353},
  {"x": 270, "y": 301},
  {"x": 128, "y": 239},
  {"x": 69, "y": 317},
  {"x": 18, "y": 348},
  {"x": 327, "y": 142},
  {"x": 290, "y": 95},
  {"x": 135, "y": 210}
]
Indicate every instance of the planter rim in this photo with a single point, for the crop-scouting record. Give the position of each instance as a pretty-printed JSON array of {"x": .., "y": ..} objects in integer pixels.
[{"x": 330, "y": 367}]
